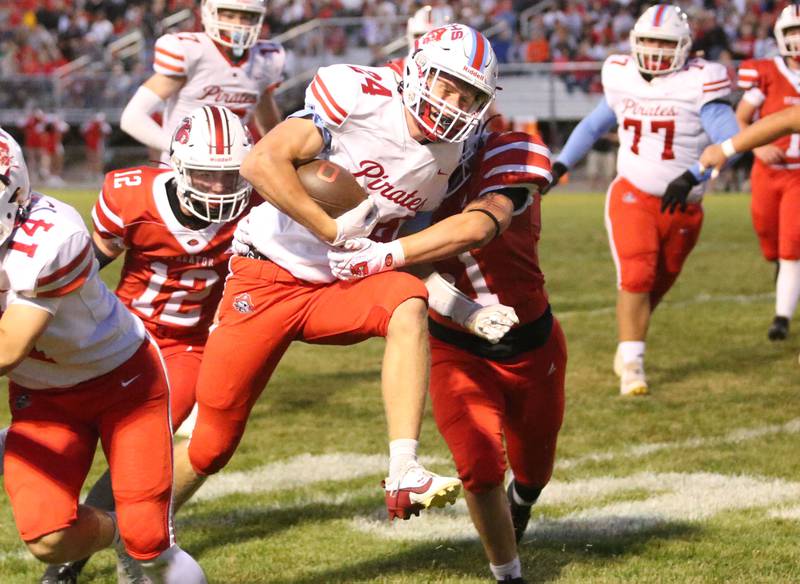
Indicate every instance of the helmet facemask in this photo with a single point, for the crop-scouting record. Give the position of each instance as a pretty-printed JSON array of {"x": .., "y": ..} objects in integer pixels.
[
  {"x": 238, "y": 36},
  {"x": 788, "y": 40},
  {"x": 438, "y": 119},
  {"x": 15, "y": 186},
  {"x": 216, "y": 196},
  {"x": 654, "y": 60}
]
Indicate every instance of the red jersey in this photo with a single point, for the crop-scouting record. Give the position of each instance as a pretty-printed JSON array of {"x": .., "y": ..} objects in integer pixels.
[
  {"x": 506, "y": 270},
  {"x": 32, "y": 129},
  {"x": 173, "y": 276},
  {"x": 771, "y": 86}
]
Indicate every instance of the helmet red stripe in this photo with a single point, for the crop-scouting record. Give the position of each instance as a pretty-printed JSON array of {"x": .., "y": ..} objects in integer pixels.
[
  {"x": 659, "y": 14},
  {"x": 480, "y": 49},
  {"x": 219, "y": 134}
]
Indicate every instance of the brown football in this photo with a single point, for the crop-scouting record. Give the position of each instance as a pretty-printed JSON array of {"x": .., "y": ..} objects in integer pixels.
[{"x": 331, "y": 186}]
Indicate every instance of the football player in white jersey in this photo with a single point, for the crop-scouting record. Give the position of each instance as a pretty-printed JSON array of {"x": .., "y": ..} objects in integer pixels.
[
  {"x": 81, "y": 368},
  {"x": 226, "y": 65},
  {"x": 668, "y": 108},
  {"x": 401, "y": 144}
]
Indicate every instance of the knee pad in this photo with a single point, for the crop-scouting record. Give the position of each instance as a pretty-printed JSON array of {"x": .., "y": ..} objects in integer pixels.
[
  {"x": 485, "y": 470},
  {"x": 214, "y": 440},
  {"x": 638, "y": 274}
]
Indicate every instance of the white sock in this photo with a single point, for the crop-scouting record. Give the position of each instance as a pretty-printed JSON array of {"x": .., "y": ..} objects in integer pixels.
[
  {"x": 512, "y": 568},
  {"x": 401, "y": 452},
  {"x": 631, "y": 351},
  {"x": 173, "y": 566},
  {"x": 787, "y": 288}
]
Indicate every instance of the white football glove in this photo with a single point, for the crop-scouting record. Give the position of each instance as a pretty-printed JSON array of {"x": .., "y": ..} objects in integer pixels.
[
  {"x": 359, "y": 258},
  {"x": 491, "y": 322},
  {"x": 357, "y": 222},
  {"x": 242, "y": 242}
]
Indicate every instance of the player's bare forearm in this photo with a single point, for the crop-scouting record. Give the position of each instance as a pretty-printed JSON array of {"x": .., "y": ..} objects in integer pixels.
[
  {"x": 744, "y": 113},
  {"x": 270, "y": 168},
  {"x": 474, "y": 227},
  {"x": 768, "y": 129},
  {"x": 20, "y": 327},
  {"x": 268, "y": 115}
]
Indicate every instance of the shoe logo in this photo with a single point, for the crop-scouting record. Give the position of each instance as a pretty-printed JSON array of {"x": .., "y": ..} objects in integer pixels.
[
  {"x": 628, "y": 198},
  {"x": 22, "y": 401},
  {"x": 683, "y": 230},
  {"x": 129, "y": 381},
  {"x": 243, "y": 304},
  {"x": 552, "y": 369}
]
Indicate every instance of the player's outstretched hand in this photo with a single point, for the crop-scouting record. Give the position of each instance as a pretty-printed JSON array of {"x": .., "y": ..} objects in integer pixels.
[
  {"x": 557, "y": 170},
  {"x": 357, "y": 222},
  {"x": 491, "y": 322},
  {"x": 678, "y": 192},
  {"x": 359, "y": 258}
]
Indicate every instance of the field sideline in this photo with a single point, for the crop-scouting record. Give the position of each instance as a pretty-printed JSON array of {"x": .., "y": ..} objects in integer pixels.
[{"x": 699, "y": 482}]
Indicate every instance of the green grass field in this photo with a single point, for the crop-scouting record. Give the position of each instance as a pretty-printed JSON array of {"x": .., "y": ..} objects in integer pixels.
[{"x": 699, "y": 482}]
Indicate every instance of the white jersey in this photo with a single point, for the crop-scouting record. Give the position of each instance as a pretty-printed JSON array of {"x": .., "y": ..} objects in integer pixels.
[
  {"x": 362, "y": 116},
  {"x": 660, "y": 131},
  {"x": 48, "y": 263},
  {"x": 212, "y": 78}
]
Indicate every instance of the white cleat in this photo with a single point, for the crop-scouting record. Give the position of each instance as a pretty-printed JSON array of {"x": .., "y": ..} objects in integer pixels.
[
  {"x": 633, "y": 381},
  {"x": 418, "y": 489},
  {"x": 128, "y": 570}
]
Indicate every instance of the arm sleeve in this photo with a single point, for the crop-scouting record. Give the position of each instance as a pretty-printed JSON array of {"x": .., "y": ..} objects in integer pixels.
[
  {"x": 719, "y": 122},
  {"x": 514, "y": 160},
  {"x": 332, "y": 94},
  {"x": 136, "y": 120},
  {"x": 592, "y": 128},
  {"x": 107, "y": 214}
]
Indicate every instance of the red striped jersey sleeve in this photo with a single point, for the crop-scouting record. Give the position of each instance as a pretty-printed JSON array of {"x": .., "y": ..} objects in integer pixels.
[
  {"x": 748, "y": 75},
  {"x": 108, "y": 210},
  {"x": 513, "y": 159},
  {"x": 69, "y": 269},
  {"x": 333, "y": 93},
  {"x": 716, "y": 82},
  {"x": 170, "y": 56}
]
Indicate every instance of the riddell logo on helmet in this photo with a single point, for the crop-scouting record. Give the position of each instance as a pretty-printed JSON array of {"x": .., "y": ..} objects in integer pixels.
[
  {"x": 5, "y": 156},
  {"x": 475, "y": 73}
]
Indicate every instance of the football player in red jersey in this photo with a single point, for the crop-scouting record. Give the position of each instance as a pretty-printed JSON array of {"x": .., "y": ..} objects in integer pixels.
[
  {"x": 771, "y": 85},
  {"x": 509, "y": 383},
  {"x": 81, "y": 369},
  {"x": 175, "y": 227}
]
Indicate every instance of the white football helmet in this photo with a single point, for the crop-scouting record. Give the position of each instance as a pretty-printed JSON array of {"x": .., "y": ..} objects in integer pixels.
[
  {"x": 423, "y": 21},
  {"x": 788, "y": 46},
  {"x": 207, "y": 151},
  {"x": 239, "y": 37},
  {"x": 460, "y": 52},
  {"x": 661, "y": 22},
  {"x": 15, "y": 185}
]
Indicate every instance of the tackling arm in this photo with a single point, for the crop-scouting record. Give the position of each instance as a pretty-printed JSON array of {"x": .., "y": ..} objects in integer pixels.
[
  {"x": 20, "y": 327},
  {"x": 136, "y": 120},
  {"x": 104, "y": 250}
]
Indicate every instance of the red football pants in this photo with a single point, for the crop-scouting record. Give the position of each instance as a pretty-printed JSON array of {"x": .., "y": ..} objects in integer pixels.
[
  {"x": 649, "y": 247},
  {"x": 263, "y": 309},
  {"x": 183, "y": 368},
  {"x": 52, "y": 440},
  {"x": 477, "y": 402},
  {"x": 775, "y": 210}
]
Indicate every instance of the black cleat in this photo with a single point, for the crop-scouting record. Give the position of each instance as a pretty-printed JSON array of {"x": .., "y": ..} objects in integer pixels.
[
  {"x": 520, "y": 514},
  {"x": 61, "y": 574},
  {"x": 779, "y": 329}
]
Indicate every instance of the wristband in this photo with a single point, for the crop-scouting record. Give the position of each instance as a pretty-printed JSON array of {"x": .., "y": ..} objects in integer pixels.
[{"x": 728, "y": 148}]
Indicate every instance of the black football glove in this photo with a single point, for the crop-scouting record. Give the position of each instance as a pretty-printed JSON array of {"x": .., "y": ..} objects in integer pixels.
[
  {"x": 677, "y": 192},
  {"x": 557, "y": 170}
]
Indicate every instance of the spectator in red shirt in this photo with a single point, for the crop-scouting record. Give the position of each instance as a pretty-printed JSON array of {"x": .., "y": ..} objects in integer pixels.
[{"x": 94, "y": 134}]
